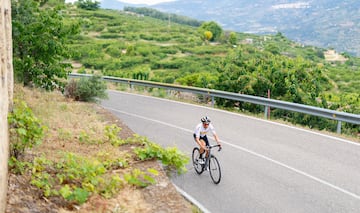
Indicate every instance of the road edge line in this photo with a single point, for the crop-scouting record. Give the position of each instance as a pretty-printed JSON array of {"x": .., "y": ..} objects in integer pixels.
[{"x": 191, "y": 199}]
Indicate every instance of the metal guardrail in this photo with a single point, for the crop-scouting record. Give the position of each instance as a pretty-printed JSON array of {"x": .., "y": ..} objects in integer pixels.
[{"x": 326, "y": 113}]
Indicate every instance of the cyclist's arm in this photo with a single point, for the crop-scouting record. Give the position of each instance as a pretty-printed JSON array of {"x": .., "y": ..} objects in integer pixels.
[
  {"x": 212, "y": 129},
  {"x": 217, "y": 139}
]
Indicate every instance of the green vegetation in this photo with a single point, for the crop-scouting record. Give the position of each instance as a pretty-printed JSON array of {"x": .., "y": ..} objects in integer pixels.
[
  {"x": 122, "y": 44},
  {"x": 211, "y": 28},
  {"x": 39, "y": 43},
  {"x": 26, "y": 130},
  {"x": 169, "y": 157},
  {"x": 88, "y": 4},
  {"x": 131, "y": 45},
  {"x": 164, "y": 16},
  {"x": 75, "y": 176},
  {"x": 86, "y": 89}
]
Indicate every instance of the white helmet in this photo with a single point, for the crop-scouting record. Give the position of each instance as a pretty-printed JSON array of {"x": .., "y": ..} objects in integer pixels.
[{"x": 205, "y": 119}]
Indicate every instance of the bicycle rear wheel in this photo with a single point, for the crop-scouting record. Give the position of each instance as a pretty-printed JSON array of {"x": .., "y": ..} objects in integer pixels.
[
  {"x": 195, "y": 159},
  {"x": 214, "y": 168}
]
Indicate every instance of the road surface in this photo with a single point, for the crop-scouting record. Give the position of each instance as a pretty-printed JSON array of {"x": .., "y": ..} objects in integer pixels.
[{"x": 266, "y": 166}]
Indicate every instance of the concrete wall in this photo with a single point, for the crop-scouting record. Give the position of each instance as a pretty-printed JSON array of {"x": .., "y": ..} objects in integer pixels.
[{"x": 6, "y": 94}]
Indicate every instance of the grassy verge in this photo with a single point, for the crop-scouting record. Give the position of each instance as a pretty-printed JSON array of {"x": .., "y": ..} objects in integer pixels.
[{"x": 85, "y": 154}]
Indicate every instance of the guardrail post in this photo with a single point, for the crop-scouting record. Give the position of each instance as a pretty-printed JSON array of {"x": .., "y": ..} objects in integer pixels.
[
  {"x": 266, "y": 112},
  {"x": 338, "y": 129},
  {"x": 212, "y": 101}
]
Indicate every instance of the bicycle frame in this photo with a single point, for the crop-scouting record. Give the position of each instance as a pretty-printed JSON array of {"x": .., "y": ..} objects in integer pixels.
[
  {"x": 209, "y": 155},
  {"x": 211, "y": 163}
]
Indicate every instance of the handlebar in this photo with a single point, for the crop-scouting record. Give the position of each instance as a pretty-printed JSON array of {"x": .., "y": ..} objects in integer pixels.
[{"x": 212, "y": 146}]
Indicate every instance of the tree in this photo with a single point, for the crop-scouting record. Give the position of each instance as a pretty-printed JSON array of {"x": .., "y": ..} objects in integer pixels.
[
  {"x": 39, "y": 44},
  {"x": 88, "y": 4},
  {"x": 273, "y": 48},
  {"x": 213, "y": 27},
  {"x": 252, "y": 71},
  {"x": 208, "y": 35},
  {"x": 233, "y": 38}
]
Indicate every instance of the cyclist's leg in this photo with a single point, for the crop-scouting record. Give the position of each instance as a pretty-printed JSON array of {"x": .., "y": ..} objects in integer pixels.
[
  {"x": 203, "y": 142},
  {"x": 206, "y": 141},
  {"x": 201, "y": 149}
]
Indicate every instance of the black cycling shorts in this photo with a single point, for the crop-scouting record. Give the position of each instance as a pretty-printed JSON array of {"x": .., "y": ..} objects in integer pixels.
[{"x": 203, "y": 138}]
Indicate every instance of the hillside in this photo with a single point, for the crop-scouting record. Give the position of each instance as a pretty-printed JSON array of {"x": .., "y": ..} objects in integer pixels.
[
  {"x": 326, "y": 23},
  {"x": 130, "y": 45}
]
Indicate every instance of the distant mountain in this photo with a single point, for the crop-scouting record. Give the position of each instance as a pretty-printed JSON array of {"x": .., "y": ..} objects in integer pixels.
[{"x": 324, "y": 23}]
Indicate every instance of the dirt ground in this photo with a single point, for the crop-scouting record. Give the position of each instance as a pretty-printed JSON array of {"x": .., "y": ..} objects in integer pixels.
[{"x": 22, "y": 197}]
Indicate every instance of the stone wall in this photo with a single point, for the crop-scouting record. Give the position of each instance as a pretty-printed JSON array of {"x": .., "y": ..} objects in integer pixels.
[{"x": 6, "y": 94}]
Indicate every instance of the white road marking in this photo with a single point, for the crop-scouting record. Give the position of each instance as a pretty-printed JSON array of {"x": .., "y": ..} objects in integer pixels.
[{"x": 250, "y": 152}]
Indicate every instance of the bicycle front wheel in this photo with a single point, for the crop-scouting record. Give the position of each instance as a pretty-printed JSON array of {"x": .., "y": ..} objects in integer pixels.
[
  {"x": 195, "y": 160},
  {"x": 214, "y": 168}
]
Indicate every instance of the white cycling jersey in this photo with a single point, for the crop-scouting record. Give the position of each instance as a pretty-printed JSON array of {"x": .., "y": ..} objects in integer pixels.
[{"x": 200, "y": 131}]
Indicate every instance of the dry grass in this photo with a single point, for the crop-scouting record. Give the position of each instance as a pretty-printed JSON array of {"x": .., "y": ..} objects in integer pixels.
[
  {"x": 70, "y": 126},
  {"x": 79, "y": 128}
]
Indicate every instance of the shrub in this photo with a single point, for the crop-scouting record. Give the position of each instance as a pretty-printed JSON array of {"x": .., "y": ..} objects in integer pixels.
[
  {"x": 170, "y": 157},
  {"x": 88, "y": 4},
  {"x": 109, "y": 35},
  {"x": 86, "y": 89},
  {"x": 25, "y": 129}
]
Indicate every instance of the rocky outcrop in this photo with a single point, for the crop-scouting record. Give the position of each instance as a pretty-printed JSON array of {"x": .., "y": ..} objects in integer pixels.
[{"x": 6, "y": 94}]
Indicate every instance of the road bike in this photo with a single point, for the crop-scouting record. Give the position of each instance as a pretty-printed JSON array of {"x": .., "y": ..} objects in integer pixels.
[{"x": 211, "y": 163}]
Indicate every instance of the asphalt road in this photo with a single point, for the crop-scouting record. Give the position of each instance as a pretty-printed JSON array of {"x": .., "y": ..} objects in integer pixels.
[{"x": 266, "y": 167}]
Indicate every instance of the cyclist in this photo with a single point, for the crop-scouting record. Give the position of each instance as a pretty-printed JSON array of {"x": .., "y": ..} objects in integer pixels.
[{"x": 200, "y": 135}]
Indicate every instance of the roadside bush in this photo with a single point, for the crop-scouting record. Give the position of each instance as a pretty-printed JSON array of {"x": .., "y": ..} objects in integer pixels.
[
  {"x": 86, "y": 89},
  {"x": 25, "y": 129},
  {"x": 171, "y": 157}
]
